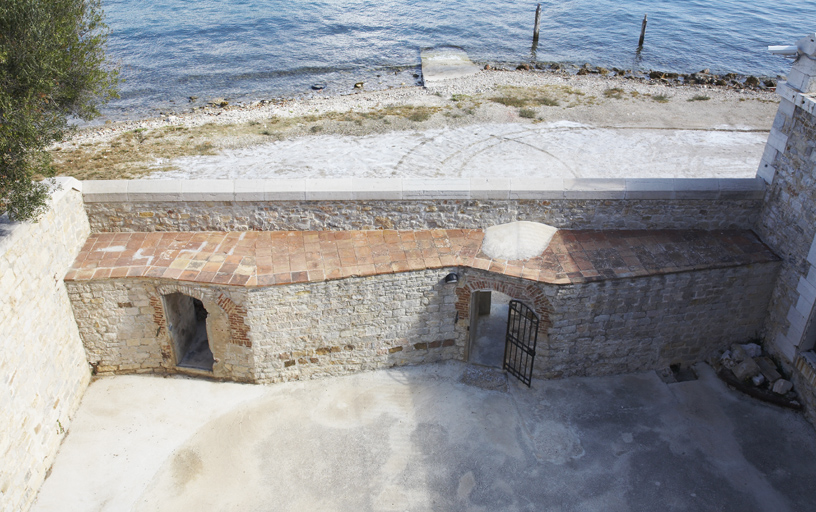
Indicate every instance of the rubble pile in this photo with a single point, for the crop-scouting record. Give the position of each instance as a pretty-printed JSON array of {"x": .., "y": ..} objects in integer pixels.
[{"x": 747, "y": 368}]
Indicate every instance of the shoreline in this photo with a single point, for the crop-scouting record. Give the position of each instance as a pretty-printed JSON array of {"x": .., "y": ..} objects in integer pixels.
[
  {"x": 133, "y": 149},
  {"x": 381, "y": 79},
  {"x": 361, "y": 98}
]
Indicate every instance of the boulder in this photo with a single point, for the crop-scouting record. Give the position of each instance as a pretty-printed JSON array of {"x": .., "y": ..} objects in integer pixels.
[
  {"x": 768, "y": 369},
  {"x": 782, "y": 387},
  {"x": 752, "y": 349},
  {"x": 738, "y": 353},
  {"x": 752, "y": 81},
  {"x": 746, "y": 370}
]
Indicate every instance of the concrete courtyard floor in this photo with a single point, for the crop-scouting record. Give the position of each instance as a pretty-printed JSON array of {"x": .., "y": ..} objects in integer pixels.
[{"x": 437, "y": 437}]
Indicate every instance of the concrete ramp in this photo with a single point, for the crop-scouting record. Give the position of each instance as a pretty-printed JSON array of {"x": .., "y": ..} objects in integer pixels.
[{"x": 445, "y": 63}]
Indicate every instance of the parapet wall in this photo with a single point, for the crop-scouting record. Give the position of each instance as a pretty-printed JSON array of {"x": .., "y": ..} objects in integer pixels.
[
  {"x": 346, "y": 204},
  {"x": 42, "y": 361}
]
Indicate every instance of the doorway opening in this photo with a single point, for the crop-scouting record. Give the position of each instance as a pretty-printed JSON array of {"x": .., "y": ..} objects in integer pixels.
[
  {"x": 187, "y": 324},
  {"x": 488, "y": 328}
]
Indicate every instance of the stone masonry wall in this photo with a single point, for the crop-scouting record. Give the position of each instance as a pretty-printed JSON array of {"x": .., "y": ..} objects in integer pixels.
[
  {"x": 639, "y": 324},
  {"x": 356, "y": 324},
  {"x": 422, "y": 214},
  {"x": 277, "y": 333},
  {"x": 788, "y": 225},
  {"x": 123, "y": 326},
  {"x": 43, "y": 370}
]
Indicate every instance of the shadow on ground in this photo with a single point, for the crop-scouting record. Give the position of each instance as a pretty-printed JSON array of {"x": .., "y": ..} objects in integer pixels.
[{"x": 436, "y": 437}]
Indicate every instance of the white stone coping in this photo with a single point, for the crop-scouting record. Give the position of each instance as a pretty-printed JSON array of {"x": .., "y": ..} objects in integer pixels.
[{"x": 398, "y": 189}]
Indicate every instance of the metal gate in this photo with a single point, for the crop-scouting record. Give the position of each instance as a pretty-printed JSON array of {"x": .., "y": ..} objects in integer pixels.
[{"x": 520, "y": 344}]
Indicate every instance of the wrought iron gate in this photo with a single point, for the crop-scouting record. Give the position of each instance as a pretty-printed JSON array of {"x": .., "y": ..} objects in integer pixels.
[{"x": 520, "y": 344}]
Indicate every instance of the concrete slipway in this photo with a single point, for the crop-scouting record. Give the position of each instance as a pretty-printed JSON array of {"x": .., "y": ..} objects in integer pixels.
[{"x": 438, "y": 437}]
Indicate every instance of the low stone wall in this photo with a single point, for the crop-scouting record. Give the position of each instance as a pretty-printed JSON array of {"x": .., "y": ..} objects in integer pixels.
[
  {"x": 280, "y": 205},
  {"x": 42, "y": 362}
]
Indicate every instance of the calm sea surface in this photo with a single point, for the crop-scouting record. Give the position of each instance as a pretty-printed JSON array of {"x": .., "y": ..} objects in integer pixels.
[{"x": 252, "y": 49}]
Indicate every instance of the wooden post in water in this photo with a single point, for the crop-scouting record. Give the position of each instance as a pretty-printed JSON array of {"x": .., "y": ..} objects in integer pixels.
[
  {"x": 642, "y": 32},
  {"x": 537, "y": 24}
]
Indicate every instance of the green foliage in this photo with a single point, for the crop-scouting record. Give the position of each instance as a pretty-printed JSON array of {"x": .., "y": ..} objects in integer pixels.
[{"x": 52, "y": 67}]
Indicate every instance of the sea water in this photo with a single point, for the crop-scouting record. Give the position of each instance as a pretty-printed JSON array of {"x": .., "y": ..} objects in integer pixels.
[{"x": 170, "y": 50}]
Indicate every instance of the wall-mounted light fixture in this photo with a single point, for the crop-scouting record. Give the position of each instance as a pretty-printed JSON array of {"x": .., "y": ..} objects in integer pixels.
[{"x": 452, "y": 278}]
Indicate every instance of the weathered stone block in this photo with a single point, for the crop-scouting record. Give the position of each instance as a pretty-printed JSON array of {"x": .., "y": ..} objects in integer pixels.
[{"x": 746, "y": 370}]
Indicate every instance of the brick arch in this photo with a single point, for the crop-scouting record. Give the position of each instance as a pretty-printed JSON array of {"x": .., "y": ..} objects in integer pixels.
[
  {"x": 225, "y": 323},
  {"x": 529, "y": 294}
]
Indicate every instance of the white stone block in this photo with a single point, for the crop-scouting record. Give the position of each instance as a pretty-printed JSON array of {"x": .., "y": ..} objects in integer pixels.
[
  {"x": 811, "y": 258},
  {"x": 207, "y": 190},
  {"x": 778, "y": 140},
  {"x": 154, "y": 190},
  {"x": 284, "y": 190},
  {"x": 798, "y": 322},
  {"x": 536, "y": 188},
  {"x": 766, "y": 172},
  {"x": 780, "y": 120},
  {"x": 798, "y": 80},
  {"x": 641, "y": 188},
  {"x": 811, "y": 276},
  {"x": 455, "y": 188},
  {"x": 594, "y": 188},
  {"x": 696, "y": 188},
  {"x": 785, "y": 347},
  {"x": 490, "y": 188},
  {"x": 786, "y": 107},
  {"x": 328, "y": 189},
  {"x": 104, "y": 191},
  {"x": 786, "y": 92},
  {"x": 376, "y": 188},
  {"x": 808, "y": 104},
  {"x": 250, "y": 190},
  {"x": 804, "y": 305},
  {"x": 741, "y": 188}
]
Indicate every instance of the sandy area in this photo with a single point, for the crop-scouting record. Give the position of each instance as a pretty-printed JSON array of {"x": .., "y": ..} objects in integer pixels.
[{"x": 525, "y": 122}]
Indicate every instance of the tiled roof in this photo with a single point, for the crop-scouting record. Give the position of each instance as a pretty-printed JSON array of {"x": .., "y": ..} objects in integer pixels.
[{"x": 264, "y": 258}]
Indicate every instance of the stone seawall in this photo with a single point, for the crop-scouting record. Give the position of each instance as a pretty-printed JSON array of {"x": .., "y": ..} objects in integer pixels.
[
  {"x": 280, "y": 205},
  {"x": 42, "y": 361}
]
